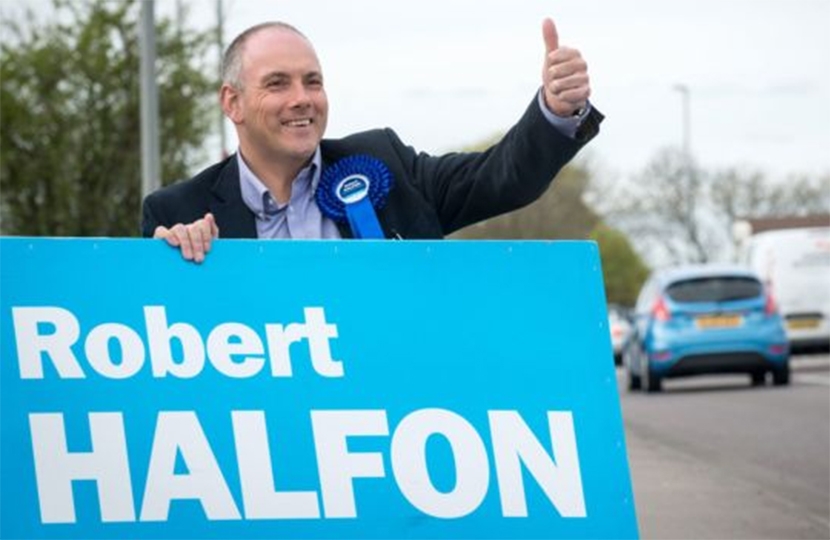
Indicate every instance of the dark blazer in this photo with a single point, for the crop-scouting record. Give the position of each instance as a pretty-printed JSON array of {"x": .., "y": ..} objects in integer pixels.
[{"x": 431, "y": 197}]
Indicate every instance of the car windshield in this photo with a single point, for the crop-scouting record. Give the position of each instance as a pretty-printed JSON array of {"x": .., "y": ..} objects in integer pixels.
[{"x": 714, "y": 289}]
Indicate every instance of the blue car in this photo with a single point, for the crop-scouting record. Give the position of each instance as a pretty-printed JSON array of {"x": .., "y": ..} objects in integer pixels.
[{"x": 705, "y": 319}]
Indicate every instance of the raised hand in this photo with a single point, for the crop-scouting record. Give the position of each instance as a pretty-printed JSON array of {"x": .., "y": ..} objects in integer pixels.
[{"x": 564, "y": 75}]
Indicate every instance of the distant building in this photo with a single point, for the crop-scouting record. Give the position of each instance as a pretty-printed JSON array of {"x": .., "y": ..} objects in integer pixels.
[
  {"x": 757, "y": 225},
  {"x": 742, "y": 229}
]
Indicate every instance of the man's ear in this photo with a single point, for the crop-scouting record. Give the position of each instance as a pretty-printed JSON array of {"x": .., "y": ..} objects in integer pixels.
[{"x": 231, "y": 103}]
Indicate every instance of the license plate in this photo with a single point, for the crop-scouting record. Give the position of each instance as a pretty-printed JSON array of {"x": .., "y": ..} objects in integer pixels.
[
  {"x": 719, "y": 321},
  {"x": 800, "y": 324}
]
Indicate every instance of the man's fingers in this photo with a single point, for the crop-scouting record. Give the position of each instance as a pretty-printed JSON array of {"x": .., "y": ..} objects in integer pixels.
[
  {"x": 193, "y": 240},
  {"x": 566, "y": 81},
  {"x": 576, "y": 98},
  {"x": 199, "y": 233},
  {"x": 550, "y": 35},
  {"x": 565, "y": 61},
  {"x": 208, "y": 230},
  {"x": 164, "y": 233},
  {"x": 182, "y": 239},
  {"x": 214, "y": 228},
  {"x": 573, "y": 82}
]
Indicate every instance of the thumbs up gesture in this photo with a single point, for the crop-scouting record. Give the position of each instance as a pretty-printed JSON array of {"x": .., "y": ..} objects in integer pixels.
[{"x": 564, "y": 75}]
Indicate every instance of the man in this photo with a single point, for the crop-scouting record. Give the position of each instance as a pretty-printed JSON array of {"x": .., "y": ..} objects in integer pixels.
[{"x": 273, "y": 92}]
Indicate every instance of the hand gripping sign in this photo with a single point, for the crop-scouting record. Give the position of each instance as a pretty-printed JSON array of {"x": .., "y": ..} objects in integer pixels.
[{"x": 385, "y": 390}]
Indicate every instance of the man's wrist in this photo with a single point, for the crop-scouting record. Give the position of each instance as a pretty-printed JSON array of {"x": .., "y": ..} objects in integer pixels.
[{"x": 567, "y": 125}]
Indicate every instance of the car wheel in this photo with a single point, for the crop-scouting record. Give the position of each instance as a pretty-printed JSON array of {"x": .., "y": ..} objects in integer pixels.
[
  {"x": 634, "y": 382},
  {"x": 781, "y": 376},
  {"x": 653, "y": 383},
  {"x": 759, "y": 378}
]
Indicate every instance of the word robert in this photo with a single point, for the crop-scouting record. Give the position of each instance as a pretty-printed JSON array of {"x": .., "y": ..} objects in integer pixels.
[{"x": 233, "y": 349}]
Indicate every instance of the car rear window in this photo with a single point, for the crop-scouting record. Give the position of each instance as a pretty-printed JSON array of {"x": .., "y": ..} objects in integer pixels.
[{"x": 714, "y": 289}]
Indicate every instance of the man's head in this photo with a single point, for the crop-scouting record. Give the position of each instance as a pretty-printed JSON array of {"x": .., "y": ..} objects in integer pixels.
[{"x": 272, "y": 90}]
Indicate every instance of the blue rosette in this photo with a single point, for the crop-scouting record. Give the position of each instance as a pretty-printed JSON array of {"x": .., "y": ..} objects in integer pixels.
[{"x": 352, "y": 189}]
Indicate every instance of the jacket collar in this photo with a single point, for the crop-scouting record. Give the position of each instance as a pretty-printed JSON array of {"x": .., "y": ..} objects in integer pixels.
[{"x": 233, "y": 217}]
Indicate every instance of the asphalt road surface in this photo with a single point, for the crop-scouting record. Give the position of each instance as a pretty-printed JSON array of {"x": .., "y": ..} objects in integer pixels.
[{"x": 713, "y": 457}]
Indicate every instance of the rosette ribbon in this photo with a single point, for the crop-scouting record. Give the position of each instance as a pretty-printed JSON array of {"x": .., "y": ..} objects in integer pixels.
[{"x": 351, "y": 190}]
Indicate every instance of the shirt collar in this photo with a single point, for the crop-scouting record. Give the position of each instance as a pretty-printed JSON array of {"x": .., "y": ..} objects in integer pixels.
[{"x": 257, "y": 197}]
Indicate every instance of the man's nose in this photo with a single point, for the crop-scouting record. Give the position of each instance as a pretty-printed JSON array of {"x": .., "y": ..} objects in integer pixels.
[{"x": 299, "y": 95}]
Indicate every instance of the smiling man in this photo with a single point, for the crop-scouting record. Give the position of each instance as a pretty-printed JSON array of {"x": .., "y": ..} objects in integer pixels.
[{"x": 273, "y": 92}]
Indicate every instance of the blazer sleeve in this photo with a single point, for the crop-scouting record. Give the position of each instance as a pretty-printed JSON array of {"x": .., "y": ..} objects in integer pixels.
[{"x": 465, "y": 188}]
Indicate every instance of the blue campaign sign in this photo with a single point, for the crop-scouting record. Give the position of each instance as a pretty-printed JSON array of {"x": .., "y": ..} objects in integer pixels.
[{"x": 321, "y": 389}]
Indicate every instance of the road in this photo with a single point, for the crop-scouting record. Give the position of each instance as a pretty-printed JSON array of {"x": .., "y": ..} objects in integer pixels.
[{"x": 713, "y": 457}]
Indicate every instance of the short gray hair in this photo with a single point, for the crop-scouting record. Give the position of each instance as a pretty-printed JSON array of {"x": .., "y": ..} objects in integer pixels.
[{"x": 232, "y": 59}]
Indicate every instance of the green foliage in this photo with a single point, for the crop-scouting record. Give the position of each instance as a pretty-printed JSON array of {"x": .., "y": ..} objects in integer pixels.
[
  {"x": 70, "y": 136},
  {"x": 622, "y": 268}
]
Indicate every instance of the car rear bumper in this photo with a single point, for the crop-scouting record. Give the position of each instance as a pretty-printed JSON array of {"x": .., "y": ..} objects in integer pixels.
[
  {"x": 804, "y": 338},
  {"x": 723, "y": 362},
  {"x": 724, "y": 357}
]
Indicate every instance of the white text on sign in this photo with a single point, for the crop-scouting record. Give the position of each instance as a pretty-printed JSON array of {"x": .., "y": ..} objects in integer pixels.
[
  {"x": 53, "y": 334},
  {"x": 513, "y": 447},
  {"x": 233, "y": 349}
]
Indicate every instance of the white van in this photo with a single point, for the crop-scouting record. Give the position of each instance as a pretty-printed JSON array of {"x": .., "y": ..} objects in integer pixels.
[{"x": 795, "y": 265}]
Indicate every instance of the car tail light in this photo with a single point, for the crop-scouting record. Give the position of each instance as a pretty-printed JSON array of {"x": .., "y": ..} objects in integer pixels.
[
  {"x": 777, "y": 349},
  {"x": 660, "y": 356},
  {"x": 770, "y": 307},
  {"x": 660, "y": 311}
]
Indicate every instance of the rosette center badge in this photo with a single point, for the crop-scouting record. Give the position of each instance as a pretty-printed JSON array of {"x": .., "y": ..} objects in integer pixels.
[{"x": 353, "y": 188}]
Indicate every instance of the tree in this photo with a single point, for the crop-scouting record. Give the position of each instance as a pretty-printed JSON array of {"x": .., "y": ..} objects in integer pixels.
[
  {"x": 738, "y": 193},
  {"x": 667, "y": 210},
  {"x": 70, "y": 105},
  {"x": 622, "y": 268},
  {"x": 677, "y": 212}
]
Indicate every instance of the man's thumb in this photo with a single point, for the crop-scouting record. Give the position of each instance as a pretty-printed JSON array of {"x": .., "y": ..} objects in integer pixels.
[{"x": 550, "y": 35}]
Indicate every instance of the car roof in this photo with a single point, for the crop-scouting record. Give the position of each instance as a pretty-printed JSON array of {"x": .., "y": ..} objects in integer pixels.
[{"x": 674, "y": 274}]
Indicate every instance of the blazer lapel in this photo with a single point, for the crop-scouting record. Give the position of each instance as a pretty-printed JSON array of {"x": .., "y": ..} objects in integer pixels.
[{"x": 233, "y": 217}]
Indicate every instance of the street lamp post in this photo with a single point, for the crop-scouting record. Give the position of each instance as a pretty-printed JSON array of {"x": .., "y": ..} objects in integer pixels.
[
  {"x": 220, "y": 44},
  {"x": 150, "y": 166},
  {"x": 684, "y": 94}
]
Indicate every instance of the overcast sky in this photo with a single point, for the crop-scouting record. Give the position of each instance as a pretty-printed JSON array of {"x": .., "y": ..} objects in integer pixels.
[{"x": 449, "y": 73}]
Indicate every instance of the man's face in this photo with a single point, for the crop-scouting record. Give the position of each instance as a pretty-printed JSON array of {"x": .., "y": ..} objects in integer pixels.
[{"x": 282, "y": 109}]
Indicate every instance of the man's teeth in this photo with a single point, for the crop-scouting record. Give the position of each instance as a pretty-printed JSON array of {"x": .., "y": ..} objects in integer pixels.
[{"x": 299, "y": 123}]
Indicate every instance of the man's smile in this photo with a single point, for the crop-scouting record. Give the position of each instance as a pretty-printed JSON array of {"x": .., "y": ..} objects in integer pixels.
[{"x": 300, "y": 122}]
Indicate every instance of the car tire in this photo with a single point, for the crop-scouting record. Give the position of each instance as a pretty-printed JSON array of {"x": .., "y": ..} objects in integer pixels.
[
  {"x": 759, "y": 378},
  {"x": 781, "y": 376},
  {"x": 634, "y": 382},
  {"x": 652, "y": 383}
]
